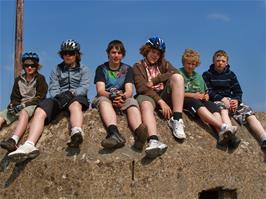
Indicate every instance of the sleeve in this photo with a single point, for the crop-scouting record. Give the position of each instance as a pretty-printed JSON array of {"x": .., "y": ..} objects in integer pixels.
[
  {"x": 140, "y": 84},
  {"x": 15, "y": 97},
  {"x": 236, "y": 88},
  {"x": 99, "y": 75},
  {"x": 84, "y": 83},
  {"x": 41, "y": 91},
  {"x": 54, "y": 86},
  {"x": 129, "y": 76},
  {"x": 167, "y": 71},
  {"x": 213, "y": 93}
]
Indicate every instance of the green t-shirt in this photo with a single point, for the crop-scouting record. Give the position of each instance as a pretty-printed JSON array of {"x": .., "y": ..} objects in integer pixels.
[{"x": 194, "y": 83}]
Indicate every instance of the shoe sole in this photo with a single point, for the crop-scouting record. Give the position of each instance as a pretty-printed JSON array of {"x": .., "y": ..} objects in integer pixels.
[
  {"x": 76, "y": 140},
  {"x": 155, "y": 152},
  {"x": 182, "y": 137},
  {"x": 8, "y": 148},
  {"x": 226, "y": 138},
  {"x": 111, "y": 144},
  {"x": 20, "y": 157}
]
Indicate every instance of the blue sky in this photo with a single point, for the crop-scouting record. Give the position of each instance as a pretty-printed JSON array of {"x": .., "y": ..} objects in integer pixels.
[{"x": 235, "y": 26}]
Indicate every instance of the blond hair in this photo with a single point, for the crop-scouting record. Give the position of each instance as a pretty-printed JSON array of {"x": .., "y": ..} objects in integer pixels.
[{"x": 191, "y": 55}]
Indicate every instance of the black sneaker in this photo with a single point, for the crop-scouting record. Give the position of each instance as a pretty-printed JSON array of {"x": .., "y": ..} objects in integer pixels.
[
  {"x": 263, "y": 145},
  {"x": 234, "y": 142},
  {"x": 9, "y": 144},
  {"x": 113, "y": 140},
  {"x": 75, "y": 140}
]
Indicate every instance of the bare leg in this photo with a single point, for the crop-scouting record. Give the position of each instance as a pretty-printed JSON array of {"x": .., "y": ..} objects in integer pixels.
[
  {"x": 22, "y": 123},
  {"x": 148, "y": 117},
  {"x": 2, "y": 121},
  {"x": 225, "y": 117},
  {"x": 206, "y": 116},
  {"x": 107, "y": 113},
  {"x": 255, "y": 125},
  {"x": 177, "y": 85},
  {"x": 37, "y": 125},
  {"x": 76, "y": 115},
  {"x": 134, "y": 117}
]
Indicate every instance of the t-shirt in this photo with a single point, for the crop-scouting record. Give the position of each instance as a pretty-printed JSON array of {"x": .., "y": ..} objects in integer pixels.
[
  {"x": 114, "y": 78},
  {"x": 194, "y": 83}
]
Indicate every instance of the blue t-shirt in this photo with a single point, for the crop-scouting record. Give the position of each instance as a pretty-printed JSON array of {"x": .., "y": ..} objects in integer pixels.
[{"x": 114, "y": 78}]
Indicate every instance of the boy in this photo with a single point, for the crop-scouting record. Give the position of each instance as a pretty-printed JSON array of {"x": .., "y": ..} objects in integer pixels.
[
  {"x": 28, "y": 89},
  {"x": 68, "y": 89},
  {"x": 196, "y": 98},
  {"x": 114, "y": 86},
  {"x": 225, "y": 90}
]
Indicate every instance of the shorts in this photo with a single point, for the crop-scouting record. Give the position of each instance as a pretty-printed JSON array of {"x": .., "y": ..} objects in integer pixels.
[
  {"x": 128, "y": 103},
  {"x": 192, "y": 105},
  {"x": 51, "y": 108},
  {"x": 242, "y": 112},
  {"x": 165, "y": 94},
  {"x": 9, "y": 118}
]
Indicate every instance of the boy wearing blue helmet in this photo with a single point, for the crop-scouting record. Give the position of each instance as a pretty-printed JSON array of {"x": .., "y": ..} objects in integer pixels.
[
  {"x": 68, "y": 90},
  {"x": 28, "y": 89},
  {"x": 158, "y": 85}
]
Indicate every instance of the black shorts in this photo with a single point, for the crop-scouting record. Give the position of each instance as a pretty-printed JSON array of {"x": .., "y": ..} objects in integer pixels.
[
  {"x": 51, "y": 108},
  {"x": 192, "y": 105}
]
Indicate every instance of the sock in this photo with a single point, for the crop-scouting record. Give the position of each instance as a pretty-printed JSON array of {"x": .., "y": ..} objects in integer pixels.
[
  {"x": 112, "y": 128},
  {"x": 16, "y": 138},
  {"x": 224, "y": 126},
  {"x": 29, "y": 142},
  {"x": 153, "y": 137},
  {"x": 177, "y": 115},
  {"x": 263, "y": 137},
  {"x": 75, "y": 130}
]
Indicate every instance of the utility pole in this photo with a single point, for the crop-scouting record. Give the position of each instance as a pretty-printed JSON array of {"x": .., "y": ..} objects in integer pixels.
[{"x": 18, "y": 37}]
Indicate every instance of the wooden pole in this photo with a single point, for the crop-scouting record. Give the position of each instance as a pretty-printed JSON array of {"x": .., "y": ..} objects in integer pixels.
[{"x": 18, "y": 37}]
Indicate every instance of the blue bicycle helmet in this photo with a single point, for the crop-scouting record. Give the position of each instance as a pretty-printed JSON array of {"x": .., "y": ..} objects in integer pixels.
[
  {"x": 157, "y": 43},
  {"x": 30, "y": 55},
  {"x": 70, "y": 45}
]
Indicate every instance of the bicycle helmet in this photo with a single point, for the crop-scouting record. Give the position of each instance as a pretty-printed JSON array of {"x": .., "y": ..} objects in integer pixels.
[
  {"x": 30, "y": 55},
  {"x": 157, "y": 43},
  {"x": 70, "y": 45}
]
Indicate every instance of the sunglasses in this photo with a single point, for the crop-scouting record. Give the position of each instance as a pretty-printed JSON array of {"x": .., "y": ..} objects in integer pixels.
[
  {"x": 30, "y": 65},
  {"x": 70, "y": 53}
]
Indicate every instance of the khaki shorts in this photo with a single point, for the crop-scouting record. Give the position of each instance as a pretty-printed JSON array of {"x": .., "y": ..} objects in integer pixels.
[
  {"x": 9, "y": 118},
  {"x": 128, "y": 103}
]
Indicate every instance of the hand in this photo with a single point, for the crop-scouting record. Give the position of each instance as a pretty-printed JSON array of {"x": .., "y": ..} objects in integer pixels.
[
  {"x": 226, "y": 102},
  {"x": 199, "y": 96},
  {"x": 233, "y": 104},
  {"x": 15, "y": 109},
  {"x": 166, "y": 110},
  {"x": 64, "y": 98},
  {"x": 206, "y": 97},
  {"x": 119, "y": 100},
  {"x": 149, "y": 84}
]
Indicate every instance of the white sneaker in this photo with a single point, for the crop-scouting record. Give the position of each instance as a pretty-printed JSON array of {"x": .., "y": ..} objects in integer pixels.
[
  {"x": 177, "y": 127},
  {"x": 225, "y": 134},
  {"x": 24, "y": 152},
  {"x": 155, "y": 148},
  {"x": 234, "y": 129}
]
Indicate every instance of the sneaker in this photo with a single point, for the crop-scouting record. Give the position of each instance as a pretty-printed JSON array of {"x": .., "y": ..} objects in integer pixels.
[
  {"x": 9, "y": 144},
  {"x": 234, "y": 142},
  {"x": 155, "y": 148},
  {"x": 177, "y": 127},
  {"x": 141, "y": 134},
  {"x": 113, "y": 140},
  {"x": 24, "y": 152},
  {"x": 234, "y": 129},
  {"x": 76, "y": 138},
  {"x": 263, "y": 145},
  {"x": 225, "y": 135}
]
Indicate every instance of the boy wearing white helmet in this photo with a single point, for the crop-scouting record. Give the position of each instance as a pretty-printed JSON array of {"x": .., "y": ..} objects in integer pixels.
[
  {"x": 68, "y": 90},
  {"x": 28, "y": 89}
]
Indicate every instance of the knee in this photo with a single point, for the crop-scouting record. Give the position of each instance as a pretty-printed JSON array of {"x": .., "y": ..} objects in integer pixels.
[
  {"x": 177, "y": 78},
  {"x": 75, "y": 106},
  {"x": 146, "y": 106},
  {"x": 39, "y": 112}
]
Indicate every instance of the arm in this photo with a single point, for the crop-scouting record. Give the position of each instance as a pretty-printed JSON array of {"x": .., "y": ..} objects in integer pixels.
[
  {"x": 41, "y": 90},
  {"x": 236, "y": 89},
  {"x": 15, "y": 97},
  {"x": 84, "y": 82},
  {"x": 54, "y": 86}
]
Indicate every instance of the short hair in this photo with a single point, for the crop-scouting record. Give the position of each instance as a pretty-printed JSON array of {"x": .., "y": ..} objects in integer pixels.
[
  {"x": 220, "y": 53},
  {"x": 118, "y": 45},
  {"x": 145, "y": 49},
  {"x": 191, "y": 55}
]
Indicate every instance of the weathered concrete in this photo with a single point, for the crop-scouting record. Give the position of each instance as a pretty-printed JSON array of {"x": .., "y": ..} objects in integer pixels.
[{"x": 182, "y": 172}]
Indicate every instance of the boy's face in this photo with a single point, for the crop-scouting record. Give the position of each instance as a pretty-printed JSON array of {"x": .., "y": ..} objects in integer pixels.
[
  {"x": 190, "y": 66},
  {"x": 153, "y": 56},
  {"x": 69, "y": 57},
  {"x": 115, "y": 56},
  {"x": 30, "y": 67},
  {"x": 220, "y": 63}
]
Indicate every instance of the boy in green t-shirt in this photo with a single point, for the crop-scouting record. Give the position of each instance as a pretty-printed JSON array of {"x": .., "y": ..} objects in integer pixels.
[{"x": 197, "y": 102}]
